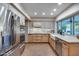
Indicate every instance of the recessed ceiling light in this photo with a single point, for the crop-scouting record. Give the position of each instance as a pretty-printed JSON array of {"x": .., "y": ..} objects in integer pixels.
[
  {"x": 59, "y": 3},
  {"x": 43, "y": 13},
  {"x": 51, "y": 13},
  {"x": 54, "y": 9},
  {"x": 35, "y": 13}
]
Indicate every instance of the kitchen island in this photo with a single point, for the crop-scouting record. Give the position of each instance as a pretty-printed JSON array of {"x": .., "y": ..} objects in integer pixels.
[{"x": 64, "y": 45}]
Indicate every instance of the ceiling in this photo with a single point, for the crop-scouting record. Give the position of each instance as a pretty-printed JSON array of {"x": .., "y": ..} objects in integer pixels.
[{"x": 44, "y": 9}]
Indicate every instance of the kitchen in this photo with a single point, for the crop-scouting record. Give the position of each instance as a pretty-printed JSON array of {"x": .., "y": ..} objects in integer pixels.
[
  {"x": 40, "y": 29},
  {"x": 62, "y": 37}
]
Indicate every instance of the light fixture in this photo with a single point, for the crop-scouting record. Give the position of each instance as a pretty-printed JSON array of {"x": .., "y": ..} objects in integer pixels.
[
  {"x": 51, "y": 13},
  {"x": 35, "y": 13},
  {"x": 54, "y": 9},
  {"x": 59, "y": 3},
  {"x": 43, "y": 13}
]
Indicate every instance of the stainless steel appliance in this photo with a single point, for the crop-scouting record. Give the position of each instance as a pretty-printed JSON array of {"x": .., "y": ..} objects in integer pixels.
[{"x": 58, "y": 43}]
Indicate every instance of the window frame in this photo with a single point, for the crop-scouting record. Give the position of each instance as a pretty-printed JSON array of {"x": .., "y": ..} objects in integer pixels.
[
  {"x": 74, "y": 23},
  {"x": 71, "y": 17}
]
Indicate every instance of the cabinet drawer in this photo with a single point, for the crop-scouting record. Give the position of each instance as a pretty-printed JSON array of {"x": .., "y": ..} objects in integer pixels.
[
  {"x": 52, "y": 42},
  {"x": 30, "y": 36},
  {"x": 36, "y": 40},
  {"x": 36, "y": 37},
  {"x": 45, "y": 38}
]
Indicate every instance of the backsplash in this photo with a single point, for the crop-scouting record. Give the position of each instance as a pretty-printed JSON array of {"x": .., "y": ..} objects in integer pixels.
[
  {"x": 38, "y": 30},
  {"x": 44, "y": 25}
]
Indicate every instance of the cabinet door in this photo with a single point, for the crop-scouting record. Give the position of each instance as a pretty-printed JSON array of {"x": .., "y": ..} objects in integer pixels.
[
  {"x": 37, "y": 38},
  {"x": 44, "y": 38},
  {"x": 65, "y": 50},
  {"x": 17, "y": 38},
  {"x": 30, "y": 38},
  {"x": 52, "y": 42},
  {"x": 74, "y": 49}
]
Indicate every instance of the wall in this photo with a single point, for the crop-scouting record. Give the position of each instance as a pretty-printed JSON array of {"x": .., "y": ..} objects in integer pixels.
[
  {"x": 72, "y": 10},
  {"x": 46, "y": 24},
  {"x": 69, "y": 12}
]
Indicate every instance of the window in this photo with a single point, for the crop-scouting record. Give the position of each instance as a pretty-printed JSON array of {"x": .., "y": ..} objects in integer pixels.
[
  {"x": 67, "y": 26},
  {"x": 59, "y": 25},
  {"x": 76, "y": 25}
]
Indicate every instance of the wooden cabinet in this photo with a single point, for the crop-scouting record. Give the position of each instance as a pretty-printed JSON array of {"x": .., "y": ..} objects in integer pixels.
[
  {"x": 30, "y": 38},
  {"x": 45, "y": 38},
  {"x": 38, "y": 37},
  {"x": 70, "y": 49},
  {"x": 52, "y": 42},
  {"x": 73, "y": 49},
  {"x": 17, "y": 38},
  {"x": 65, "y": 49}
]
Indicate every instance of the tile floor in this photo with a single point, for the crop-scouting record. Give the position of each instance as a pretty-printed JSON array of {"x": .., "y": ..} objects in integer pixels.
[{"x": 38, "y": 49}]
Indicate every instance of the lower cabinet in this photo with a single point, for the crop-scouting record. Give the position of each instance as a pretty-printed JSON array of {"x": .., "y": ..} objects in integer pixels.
[
  {"x": 45, "y": 38},
  {"x": 16, "y": 51},
  {"x": 74, "y": 49},
  {"x": 70, "y": 49},
  {"x": 52, "y": 42},
  {"x": 38, "y": 37},
  {"x": 65, "y": 50}
]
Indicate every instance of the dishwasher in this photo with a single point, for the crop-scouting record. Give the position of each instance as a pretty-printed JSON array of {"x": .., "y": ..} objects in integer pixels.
[{"x": 58, "y": 47}]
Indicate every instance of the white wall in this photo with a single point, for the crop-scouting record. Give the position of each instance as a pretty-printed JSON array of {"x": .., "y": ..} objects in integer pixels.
[
  {"x": 73, "y": 9},
  {"x": 46, "y": 26},
  {"x": 46, "y": 23}
]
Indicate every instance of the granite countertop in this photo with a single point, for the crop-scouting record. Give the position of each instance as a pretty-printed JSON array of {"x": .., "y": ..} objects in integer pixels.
[{"x": 70, "y": 39}]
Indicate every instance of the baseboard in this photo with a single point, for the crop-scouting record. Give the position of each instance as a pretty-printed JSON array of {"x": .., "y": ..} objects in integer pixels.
[{"x": 35, "y": 42}]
